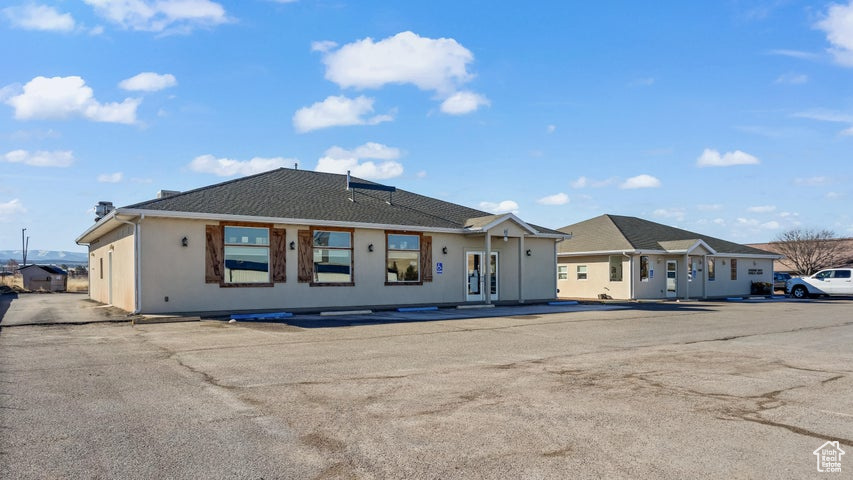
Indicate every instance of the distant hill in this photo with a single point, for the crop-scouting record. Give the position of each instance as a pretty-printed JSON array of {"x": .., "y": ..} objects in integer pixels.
[{"x": 45, "y": 257}]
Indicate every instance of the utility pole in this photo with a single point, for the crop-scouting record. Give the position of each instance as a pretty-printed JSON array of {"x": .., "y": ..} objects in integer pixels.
[{"x": 24, "y": 242}]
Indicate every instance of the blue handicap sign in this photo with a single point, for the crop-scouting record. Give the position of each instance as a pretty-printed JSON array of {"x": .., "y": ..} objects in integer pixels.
[{"x": 439, "y": 268}]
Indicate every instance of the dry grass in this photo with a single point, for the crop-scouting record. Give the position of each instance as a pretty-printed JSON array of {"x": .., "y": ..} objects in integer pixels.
[
  {"x": 78, "y": 284},
  {"x": 75, "y": 284}
]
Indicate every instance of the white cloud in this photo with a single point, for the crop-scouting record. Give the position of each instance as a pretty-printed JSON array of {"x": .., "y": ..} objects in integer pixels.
[
  {"x": 762, "y": 209},
  {"x": 421, "y": 174},
  {"x": 506, "y": 206},
  {"x": 794, "y": 54},
  {"x": 747, "y": 222},
  {"x": 792, "y": 79},
  {"x": 824, "y": 115},
  {"x": 709, "y": 207},
  {"x": 438, "y": 65},
  {"x": 169, "y": 16},
  {"x": 641, "y": 181},
  {"x": 848, "y": 132},
  {"x": 340, "y": 160},
  {"x": 63, "y": 97},
  {"x": 57, "y": 158},
  {"x": 583, "y": 182},
  {"x": 642, "y": 82},
  {"x": 10, "y": 209},
  {"x": 551, "y": 128},
  {"x": 838, "y": 26},
  {"x": 676, "y": 213},
  {"x": 556, "y": 199},
  {"x": 712, "y": 158},
  {"x": 148, "y": 82},
  {"x": 39, "y": 17},
  {"x": 771, "y": 225},
  {"x": 323, "y": 46},
  {"x": 226, "y": 167},
  {"x": 461, "y": 103},
  {"x": 812, "y": 181},
  {"x": 719, "y": 221},
  {"x": 110, "y": 177},
  {"x": 337, "y": 111}
]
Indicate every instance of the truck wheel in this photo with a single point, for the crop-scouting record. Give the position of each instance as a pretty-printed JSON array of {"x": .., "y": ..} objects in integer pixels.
[{"x": 799, "y": 292}]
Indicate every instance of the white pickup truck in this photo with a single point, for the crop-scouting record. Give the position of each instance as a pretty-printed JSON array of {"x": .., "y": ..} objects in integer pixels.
[{"x": 832, "y": 281}]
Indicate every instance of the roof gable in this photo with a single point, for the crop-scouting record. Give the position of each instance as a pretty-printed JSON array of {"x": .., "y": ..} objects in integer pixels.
[
  {"x": 632, "y": 233},
  {"x": 322, "y": 197}
]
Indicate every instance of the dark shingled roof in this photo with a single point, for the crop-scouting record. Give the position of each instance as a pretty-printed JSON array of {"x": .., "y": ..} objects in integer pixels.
[
  {"x": 48, "y": 268},
  {"x": 615, "y": 232},
  {"x": 303, "y": 194}
]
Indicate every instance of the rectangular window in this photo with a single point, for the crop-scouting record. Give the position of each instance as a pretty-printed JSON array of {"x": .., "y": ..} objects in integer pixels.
[
  {"x": 581, "y": 272},
  {"x": 403, "y": 258},
  {"x": 247, "y": 255},
  {"x": 734, "y": 268},
  {"x": 102, "y": 268},
  {"x": 615, "y": 268},
  {"x": 712, "y": 271},
  {"x": 563, "y": 272},
  {"x": 690, "y": 269},
  {"x": 332, "y": 256},
  {"x": 644, "y": 268}
]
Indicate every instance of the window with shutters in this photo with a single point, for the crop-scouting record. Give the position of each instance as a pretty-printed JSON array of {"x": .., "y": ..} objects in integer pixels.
[
  {"x": 332, "y": 256},
  {"x": 403, "y": 258},
  {"x": 247, "y": 255}
]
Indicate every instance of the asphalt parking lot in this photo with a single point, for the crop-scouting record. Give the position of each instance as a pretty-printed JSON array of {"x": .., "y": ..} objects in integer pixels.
[{"x": 687, "y": 390}]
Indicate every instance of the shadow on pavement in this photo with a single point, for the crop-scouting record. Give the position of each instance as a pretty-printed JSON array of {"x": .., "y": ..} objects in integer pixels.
[
  {"x": 5, "y": 301},
  {"x": 443, "y": 314}
]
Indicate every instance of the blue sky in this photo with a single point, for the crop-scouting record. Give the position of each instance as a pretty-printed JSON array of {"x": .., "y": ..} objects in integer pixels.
[{"x": 730, "y": 118}]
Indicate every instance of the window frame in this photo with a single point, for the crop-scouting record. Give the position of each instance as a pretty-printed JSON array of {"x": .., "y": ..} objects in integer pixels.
[
  {"x": 388, "y": 250},
  {"x": 645, "y": 259},
  {"x": 225, "y": 244},
  {"x": 585, "y": 272},
  {"x": 712, "y": 269},
  {"x": 314, "y": 282},
  {"x": 610, "y": 267},
  {"x": 733, "y": 268},
  {"x": 562, "y": 272}
]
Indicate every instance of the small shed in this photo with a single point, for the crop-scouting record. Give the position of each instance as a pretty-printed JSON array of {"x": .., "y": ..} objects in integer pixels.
[{"x": 44, "y": 277}]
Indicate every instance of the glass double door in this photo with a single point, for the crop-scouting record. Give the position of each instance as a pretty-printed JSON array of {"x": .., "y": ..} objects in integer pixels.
[{"x": 475, "y": 284}]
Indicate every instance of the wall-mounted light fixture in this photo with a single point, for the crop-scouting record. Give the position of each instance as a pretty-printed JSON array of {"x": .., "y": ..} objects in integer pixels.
[
  {"x": 185, "y": 242},
  {"x": 293, "y": 245},
  {"x": 370, "y": 248},
  {"x": 724, "y": 262},
  {"x": 529, "y": 252},
  {"x": 506, "y": 234},
  {"x": 444, "y": 250}
]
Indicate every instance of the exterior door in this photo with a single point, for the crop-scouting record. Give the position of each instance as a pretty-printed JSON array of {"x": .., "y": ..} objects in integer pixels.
[
  {"x": 671, "y": 279},
  {"x": 475, "y": 284},
  {"x": 110, "y": 276}
]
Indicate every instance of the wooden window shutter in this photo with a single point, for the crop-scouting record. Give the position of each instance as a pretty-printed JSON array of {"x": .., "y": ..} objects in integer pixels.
[
  {"x": 213, "y": 254},
  {"x": 278, "y": 251},
  {"x": 306, "y": 257},
  {"x": 426, "y": 258}
]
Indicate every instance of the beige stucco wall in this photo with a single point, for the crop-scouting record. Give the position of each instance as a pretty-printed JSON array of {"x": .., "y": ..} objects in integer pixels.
[
  {"x": 177, "y": 272},
  {"x": 655, "y": 286},
  {"x": 597, "y": 280},
  {"x": 120, "y": 242}
]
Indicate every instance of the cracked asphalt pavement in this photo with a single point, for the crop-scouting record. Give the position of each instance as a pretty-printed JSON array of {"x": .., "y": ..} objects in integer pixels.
[{"x": 675, "y": 390}]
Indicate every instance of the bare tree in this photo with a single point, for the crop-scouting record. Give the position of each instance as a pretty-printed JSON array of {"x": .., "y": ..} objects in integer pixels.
[{"x": 809, "y": 250}]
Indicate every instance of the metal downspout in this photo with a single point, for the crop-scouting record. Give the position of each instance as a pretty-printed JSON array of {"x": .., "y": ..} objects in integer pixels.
[{"x": 137, "y": 287}]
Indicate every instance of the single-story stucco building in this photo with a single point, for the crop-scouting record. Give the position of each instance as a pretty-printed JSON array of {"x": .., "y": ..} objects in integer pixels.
[
  {"x": 294, "y": 239},
  {"x": 44, "y": 277},
  {"x": 631, "y": 259}
]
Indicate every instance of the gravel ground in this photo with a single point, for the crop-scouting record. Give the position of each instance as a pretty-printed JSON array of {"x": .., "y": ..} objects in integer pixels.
[{"x": 689, "y": 390}]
